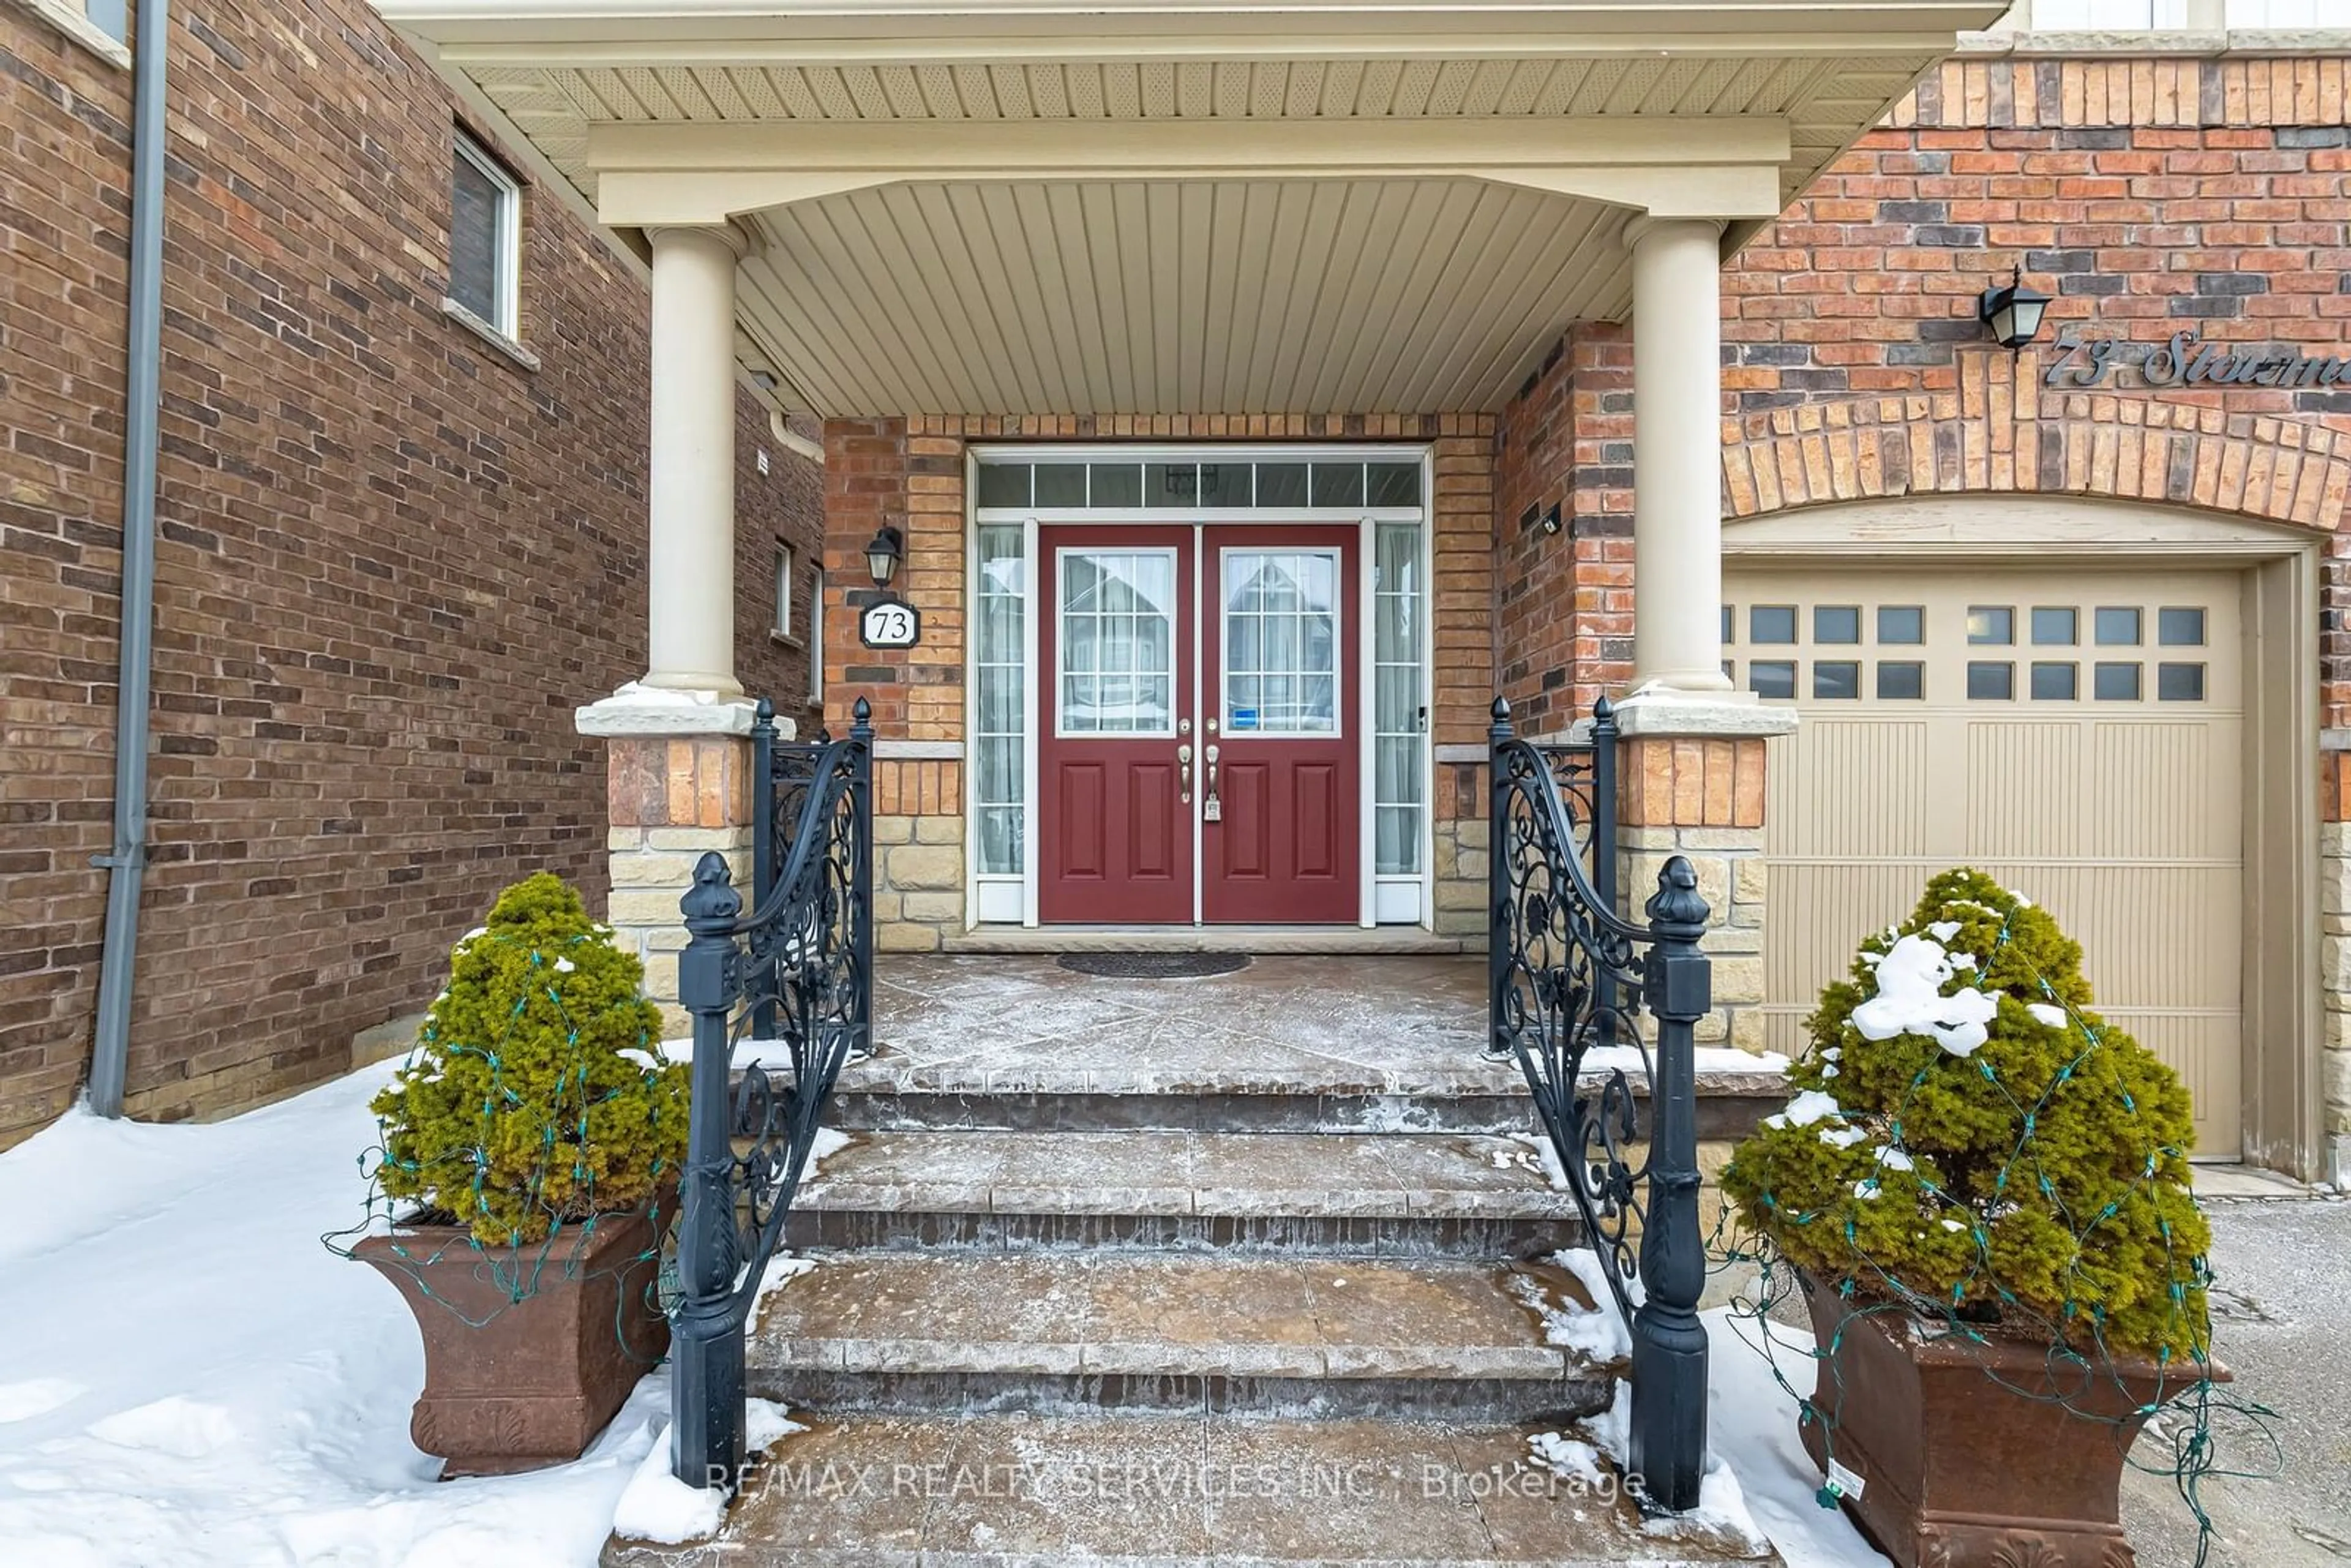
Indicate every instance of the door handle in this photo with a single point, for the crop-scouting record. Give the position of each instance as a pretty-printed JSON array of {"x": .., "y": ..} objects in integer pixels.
[
  {"x": 1183, "y": 766},
  {"x": 1216, "y": 807}
]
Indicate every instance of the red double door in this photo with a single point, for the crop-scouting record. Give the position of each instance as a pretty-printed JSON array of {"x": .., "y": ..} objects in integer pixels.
[{"x": 1199, "y": 748}]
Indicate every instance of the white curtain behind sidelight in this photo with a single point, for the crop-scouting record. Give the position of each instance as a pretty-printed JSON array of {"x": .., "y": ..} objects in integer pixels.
[
  {"x": 1399, "y": 616},
  {"x": 1001, "y": 673}
]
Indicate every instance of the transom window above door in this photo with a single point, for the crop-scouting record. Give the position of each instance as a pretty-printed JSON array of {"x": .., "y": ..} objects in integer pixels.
[{"x": 1292, "y": 484}]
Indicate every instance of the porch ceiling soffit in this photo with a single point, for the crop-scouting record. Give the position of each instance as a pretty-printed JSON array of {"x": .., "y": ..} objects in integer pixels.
[
  {"x": 1826, "y": 91},
  {"x": 1694, "y": 167},
  {"x": 1244, "y": 296}
]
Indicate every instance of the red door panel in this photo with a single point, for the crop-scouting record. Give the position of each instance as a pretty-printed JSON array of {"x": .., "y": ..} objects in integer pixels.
[
  {"x": 1278, "y": 629},
  {"x": 1115, "y": 645},
  {"x": 1316, "y": 822}
]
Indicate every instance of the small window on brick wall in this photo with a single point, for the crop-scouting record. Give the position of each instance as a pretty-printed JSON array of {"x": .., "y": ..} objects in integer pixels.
[
  {"x": 782, "y": 624},
  {"x": 485, "y": 238},
  {"x": 816, "y": 639},
  {"x": 111, "y": 18}
]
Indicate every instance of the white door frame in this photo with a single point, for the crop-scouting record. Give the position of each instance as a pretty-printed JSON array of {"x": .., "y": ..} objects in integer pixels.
[{"x": 988, "y": 899}]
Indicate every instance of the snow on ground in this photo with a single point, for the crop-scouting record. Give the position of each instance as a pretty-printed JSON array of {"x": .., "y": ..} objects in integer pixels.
[
  {"x": 192, "y": 1380},
  {"x": 1752, "y": 1424}
]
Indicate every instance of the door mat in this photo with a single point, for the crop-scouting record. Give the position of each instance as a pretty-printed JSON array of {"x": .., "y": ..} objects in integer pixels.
[{"x": 1154, "y": 966}]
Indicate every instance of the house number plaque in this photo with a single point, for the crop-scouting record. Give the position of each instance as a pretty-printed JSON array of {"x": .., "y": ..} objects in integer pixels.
[{"x": 890, "y": 623}]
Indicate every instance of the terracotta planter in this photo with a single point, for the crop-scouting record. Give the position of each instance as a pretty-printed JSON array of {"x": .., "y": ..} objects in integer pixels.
[
  {"x": 1962, "y": 1467},
  {"x": 535, "y": 1382}
]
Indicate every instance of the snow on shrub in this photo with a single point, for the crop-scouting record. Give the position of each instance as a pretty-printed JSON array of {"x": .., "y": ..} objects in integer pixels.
[
  {"x": 519, "y": 1109},
  {"x": 1968, "y": 1139}
]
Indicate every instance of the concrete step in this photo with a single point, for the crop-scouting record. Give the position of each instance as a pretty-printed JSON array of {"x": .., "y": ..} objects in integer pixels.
[
  {"x": 1333, "y": 1194},
  {"x": 1130, "y": 1490},
  {"x": 1052, "y": 1332}
]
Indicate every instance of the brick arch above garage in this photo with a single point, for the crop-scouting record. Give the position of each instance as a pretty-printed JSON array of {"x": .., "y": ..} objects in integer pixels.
[{"x": 1977, "y": 439}]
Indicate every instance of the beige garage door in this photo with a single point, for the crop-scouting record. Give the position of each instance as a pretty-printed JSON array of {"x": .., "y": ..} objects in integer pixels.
[{"x": 2074, "y": 733}]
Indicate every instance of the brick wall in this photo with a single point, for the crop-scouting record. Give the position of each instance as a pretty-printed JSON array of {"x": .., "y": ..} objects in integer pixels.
[
  {"x": 391, "y": 559},
  {"x": 1563, "y": 601},
  {"x": 2149, "y": 196}
]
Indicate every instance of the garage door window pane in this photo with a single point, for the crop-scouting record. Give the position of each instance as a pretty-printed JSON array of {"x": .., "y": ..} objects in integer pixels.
[
  {"x": 1901, "y": 681},
  {"x": 2179, "y": 682},
  {"x": 2180, "y": 628},
  {"x": 1836, "y": 679},
  {"x": 1730, "y": 625},
  {"x": 1991, "y": 624},
  {"x": 2117, "y": 628},
  {"x": 1836, "y": 624},
  {"x": 2116, "y": 682},
  {"x": 2056, "y": 628},
  {"x": 1772, "y": 624},
  {"x": 1990, "y": 683},
  {"x": 1902, "y": 624},
  {"x": 1771, "y": 677},
  {"x": 2056, "y": 683}
]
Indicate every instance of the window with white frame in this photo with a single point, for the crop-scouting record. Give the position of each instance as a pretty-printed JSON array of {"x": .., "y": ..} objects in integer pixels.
[
  {"x": 484, "y": 237},
  {"x": 816, "y": 638},
  {"x": 780, "y": 622},
  {"x": 111, "y": 18}
]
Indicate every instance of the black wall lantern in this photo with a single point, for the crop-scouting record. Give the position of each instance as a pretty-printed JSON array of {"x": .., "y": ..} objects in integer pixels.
[
  {"x": 2012, "y": 312},
  {"x": 883, "y": 554}
]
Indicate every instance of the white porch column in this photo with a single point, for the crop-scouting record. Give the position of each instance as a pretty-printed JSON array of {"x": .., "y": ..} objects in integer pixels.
[
  {"x": 1676, "y": 454},
  {"x": 690, "y": 561}
]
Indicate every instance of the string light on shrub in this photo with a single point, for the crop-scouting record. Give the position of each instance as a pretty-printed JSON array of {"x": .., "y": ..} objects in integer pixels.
[{"x": 2001, "y": 1165}]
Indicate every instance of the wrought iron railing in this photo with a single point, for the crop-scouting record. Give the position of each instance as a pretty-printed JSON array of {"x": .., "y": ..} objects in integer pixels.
[
  {"x": 1569, "y": 976},
  {"x": 796, "y": 970}
]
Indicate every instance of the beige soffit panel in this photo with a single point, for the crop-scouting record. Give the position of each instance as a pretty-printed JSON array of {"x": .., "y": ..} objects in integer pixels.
[{"x": 1241, "y": 295}]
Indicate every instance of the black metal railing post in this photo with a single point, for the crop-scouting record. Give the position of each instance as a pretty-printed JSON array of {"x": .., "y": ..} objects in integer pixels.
[
  {"x": 1603, "y": 801},
  {"x": 861, "y": 788},
  {"x": 706, "y": 1335},
  {"x": 764, "y": 868},
  {"x": 798, "y": 969},
  {"x": 1497, "y": 884},
  {"x": 1667, "y": 1443}
]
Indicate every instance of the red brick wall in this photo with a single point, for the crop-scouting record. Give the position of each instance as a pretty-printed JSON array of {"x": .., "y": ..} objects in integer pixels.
[
  {"x": 391, "y": 560},
  {"x": 1563, "y": 603},
  {"x": 2149, "y": 196}
]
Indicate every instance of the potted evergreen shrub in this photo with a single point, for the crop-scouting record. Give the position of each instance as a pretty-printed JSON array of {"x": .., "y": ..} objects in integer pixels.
[
  {"x": 1984, "y": 1188},
  {"x": 532, "y": 1141}
]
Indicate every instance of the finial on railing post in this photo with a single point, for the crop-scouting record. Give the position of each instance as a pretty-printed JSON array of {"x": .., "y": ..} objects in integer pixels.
[
  {"x": 1668, "y": 1447},
  {"x": 706, "y": 1341},
  {"x": 1500, "y": 730}
]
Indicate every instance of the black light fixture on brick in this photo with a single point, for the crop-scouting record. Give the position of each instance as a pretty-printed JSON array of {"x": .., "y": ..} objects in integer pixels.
[
  {"x": 883, "y": 554},
  {"x": 2012, "y": 312}
]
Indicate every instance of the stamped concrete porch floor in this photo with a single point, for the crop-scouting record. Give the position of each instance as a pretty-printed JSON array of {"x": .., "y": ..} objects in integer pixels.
[
  {"x": 1288, "y": 1024},
  {"x": 1366, "y": 1036}
]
